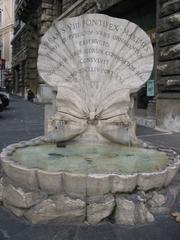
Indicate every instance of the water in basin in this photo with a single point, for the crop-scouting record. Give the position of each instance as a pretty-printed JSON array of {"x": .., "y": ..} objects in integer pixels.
[{"x": 84, "y": 158}]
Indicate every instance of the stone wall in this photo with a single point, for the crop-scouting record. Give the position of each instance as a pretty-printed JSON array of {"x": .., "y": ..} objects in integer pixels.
[
  {"x": 88, "y": 6},
  {"x": 66, "y": 4},
  {"x": 168, "y": 99},
  {"x": 19, "y": 56},
  {"x": 26, "y": 43},
  {"x": 6, "y": 30}
]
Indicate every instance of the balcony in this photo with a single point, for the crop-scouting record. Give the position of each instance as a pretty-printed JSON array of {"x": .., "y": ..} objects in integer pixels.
[
  {"x": 21, "y": 5},
  {"x": 24, "y": 8}
]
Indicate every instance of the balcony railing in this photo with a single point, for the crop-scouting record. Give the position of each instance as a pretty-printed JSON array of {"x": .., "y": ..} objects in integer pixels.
[
  {"x": 25, "y": 7},
  {"x": 21, "y": 5}
]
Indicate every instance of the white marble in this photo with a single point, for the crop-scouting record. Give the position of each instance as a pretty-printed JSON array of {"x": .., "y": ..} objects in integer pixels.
[
  {"x": 95, "y": 62},
  {"x": 42, "y": 195}
]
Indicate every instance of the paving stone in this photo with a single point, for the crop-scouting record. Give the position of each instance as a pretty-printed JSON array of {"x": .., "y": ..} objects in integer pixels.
[
  {"x": 47, "y": 232},
  {"x": 102, "y": 231},
  {"x": 10, "y": 224}
]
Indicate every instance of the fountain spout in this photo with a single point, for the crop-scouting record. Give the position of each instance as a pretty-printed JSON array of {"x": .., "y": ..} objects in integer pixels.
[
  {"x": 92, "y": 120},
  {"x": 92, "y": 116},
  {"x": 61, "y": 144}
]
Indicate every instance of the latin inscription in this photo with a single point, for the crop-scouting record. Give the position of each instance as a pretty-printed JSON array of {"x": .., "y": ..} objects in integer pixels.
[
  {"x": 108, "y": 72},
  {"x": 95, "y": 46}
]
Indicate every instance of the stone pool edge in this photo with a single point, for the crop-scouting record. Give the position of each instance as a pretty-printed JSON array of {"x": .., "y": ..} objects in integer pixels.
[{"x": 92, "y": 197}]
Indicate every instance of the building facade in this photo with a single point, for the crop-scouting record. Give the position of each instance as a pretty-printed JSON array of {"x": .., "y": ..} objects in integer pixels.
[
  {"x": 159, "y": 18},
  {"x": 168, "y": 65},
  {"x": 6, "y": 34},
  {"x": 32, "y": 19}
]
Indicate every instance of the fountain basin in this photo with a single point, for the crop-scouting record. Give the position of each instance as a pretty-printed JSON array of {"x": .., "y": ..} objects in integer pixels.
[
  {"x": 91, "y": 159},
  {"x": 24, "y": 162},
  {"x": 91, "y": 174}
]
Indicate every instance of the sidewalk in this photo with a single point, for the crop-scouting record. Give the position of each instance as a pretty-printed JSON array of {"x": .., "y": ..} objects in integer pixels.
[
  {"x": 167, "y": 139},
  {"x": 24, "y": 120}
]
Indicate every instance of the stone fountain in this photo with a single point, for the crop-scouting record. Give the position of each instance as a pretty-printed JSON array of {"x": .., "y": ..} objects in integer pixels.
[{"x": 90, "y": 166}]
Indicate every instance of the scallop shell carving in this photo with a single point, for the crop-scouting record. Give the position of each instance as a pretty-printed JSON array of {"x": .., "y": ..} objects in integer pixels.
[{"x": 95, "y": 61}]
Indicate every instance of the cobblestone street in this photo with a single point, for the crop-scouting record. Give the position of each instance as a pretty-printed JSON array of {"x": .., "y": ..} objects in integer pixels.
[{"x": 24, "y": 120}]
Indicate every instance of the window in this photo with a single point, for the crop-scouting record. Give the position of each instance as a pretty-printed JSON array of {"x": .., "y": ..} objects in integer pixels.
[
  {"x": 0, "y": 17},
  {"x": 1, "y": 48}
]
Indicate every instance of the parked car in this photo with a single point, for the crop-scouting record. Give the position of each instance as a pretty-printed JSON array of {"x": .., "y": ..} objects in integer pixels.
[
  {"x": 4, "y": 98},
  {"x": 1, "y": 106}
]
